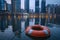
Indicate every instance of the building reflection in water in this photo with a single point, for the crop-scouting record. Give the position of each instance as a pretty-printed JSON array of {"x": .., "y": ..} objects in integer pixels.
[
  {"x": 3, "y": 22},
  {"x": 7, "y": 20},
  {"x": 18, "y": 28}
]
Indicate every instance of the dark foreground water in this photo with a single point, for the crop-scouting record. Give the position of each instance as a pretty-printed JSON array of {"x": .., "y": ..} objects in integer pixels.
[{"x": 9, "y": 34}]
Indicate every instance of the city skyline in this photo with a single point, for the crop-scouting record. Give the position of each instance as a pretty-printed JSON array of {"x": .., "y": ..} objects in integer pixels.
[{"x": 32, "y": 3}]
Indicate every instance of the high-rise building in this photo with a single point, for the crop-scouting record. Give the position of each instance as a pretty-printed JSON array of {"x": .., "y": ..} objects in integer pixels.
[
  {"x": 54, "y": 9},
  {"x": 36, "y": 6},
  {"x": 3, "y": 5},
  {"x": 3, "y": 18},
  {"x": 37, "y": 11},
  {"x": 50, "y": 8},
  {"x": 43, "y": 11},
  {"x": 16, "y": 5},
  {"x": 27, "y": 6},
  {"x": 57, "y": 9},
  {"x": 43, "y": 6},
  {"x": 9, "y": 7},
  {"x": 15, "y": 9}
]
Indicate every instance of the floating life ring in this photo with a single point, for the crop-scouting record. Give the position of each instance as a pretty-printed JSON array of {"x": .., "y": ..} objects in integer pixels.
[{"x": 38, "y": 31}]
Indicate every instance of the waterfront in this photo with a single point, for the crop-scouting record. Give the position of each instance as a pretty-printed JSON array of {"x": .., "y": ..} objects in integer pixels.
[{"x": 9, "y": 34}]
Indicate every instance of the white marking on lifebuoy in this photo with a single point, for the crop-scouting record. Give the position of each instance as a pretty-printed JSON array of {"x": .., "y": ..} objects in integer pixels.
[
  {"x": 30, "y": 31},
  {"x": 42, "y": 26},
  {"x": 46, "y": 32}
]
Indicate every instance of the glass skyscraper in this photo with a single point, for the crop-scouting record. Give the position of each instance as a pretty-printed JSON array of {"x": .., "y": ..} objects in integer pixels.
[
  {"x": 36, "y": 6},
  {"x": 2, "y": 5},
  {"x": 43, "y": 11},
  {"x": 37, "y": 11},
  {"x": 43, "y": 8},
  {"x": 16, "y": 5},
  {"x": 27, "y": 5}
]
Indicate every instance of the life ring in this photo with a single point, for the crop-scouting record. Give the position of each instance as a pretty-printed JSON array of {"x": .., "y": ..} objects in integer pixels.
[{"x": 37, "y": 31}]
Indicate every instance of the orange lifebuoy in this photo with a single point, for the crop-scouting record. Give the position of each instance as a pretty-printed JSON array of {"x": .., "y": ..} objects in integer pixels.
[{"x": 38, "y": 31}]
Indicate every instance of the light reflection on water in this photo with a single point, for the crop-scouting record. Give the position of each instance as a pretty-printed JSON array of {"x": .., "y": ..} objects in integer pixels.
[{"x": 8, "y": 33}]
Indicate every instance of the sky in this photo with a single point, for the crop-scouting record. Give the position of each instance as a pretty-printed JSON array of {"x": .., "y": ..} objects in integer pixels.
[{"x": 32, "y": 3}]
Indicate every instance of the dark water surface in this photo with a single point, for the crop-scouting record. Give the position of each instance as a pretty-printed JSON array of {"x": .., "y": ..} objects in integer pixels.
[{"x": 9, "y": 34}]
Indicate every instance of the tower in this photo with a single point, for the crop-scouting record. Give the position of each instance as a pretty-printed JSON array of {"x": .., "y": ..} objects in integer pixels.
[
  {"x": 16, "y": 5},
  {"x": 36, "y": 6},
  {"x": 37, "y": 11},
  {"x": 43, "y": 11},
  {"x": 27, "y": 10},
  {"x": 2, "y": 5},
  {"x": 43, "y": 8},
  {"x": 27, "y": 6}
]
